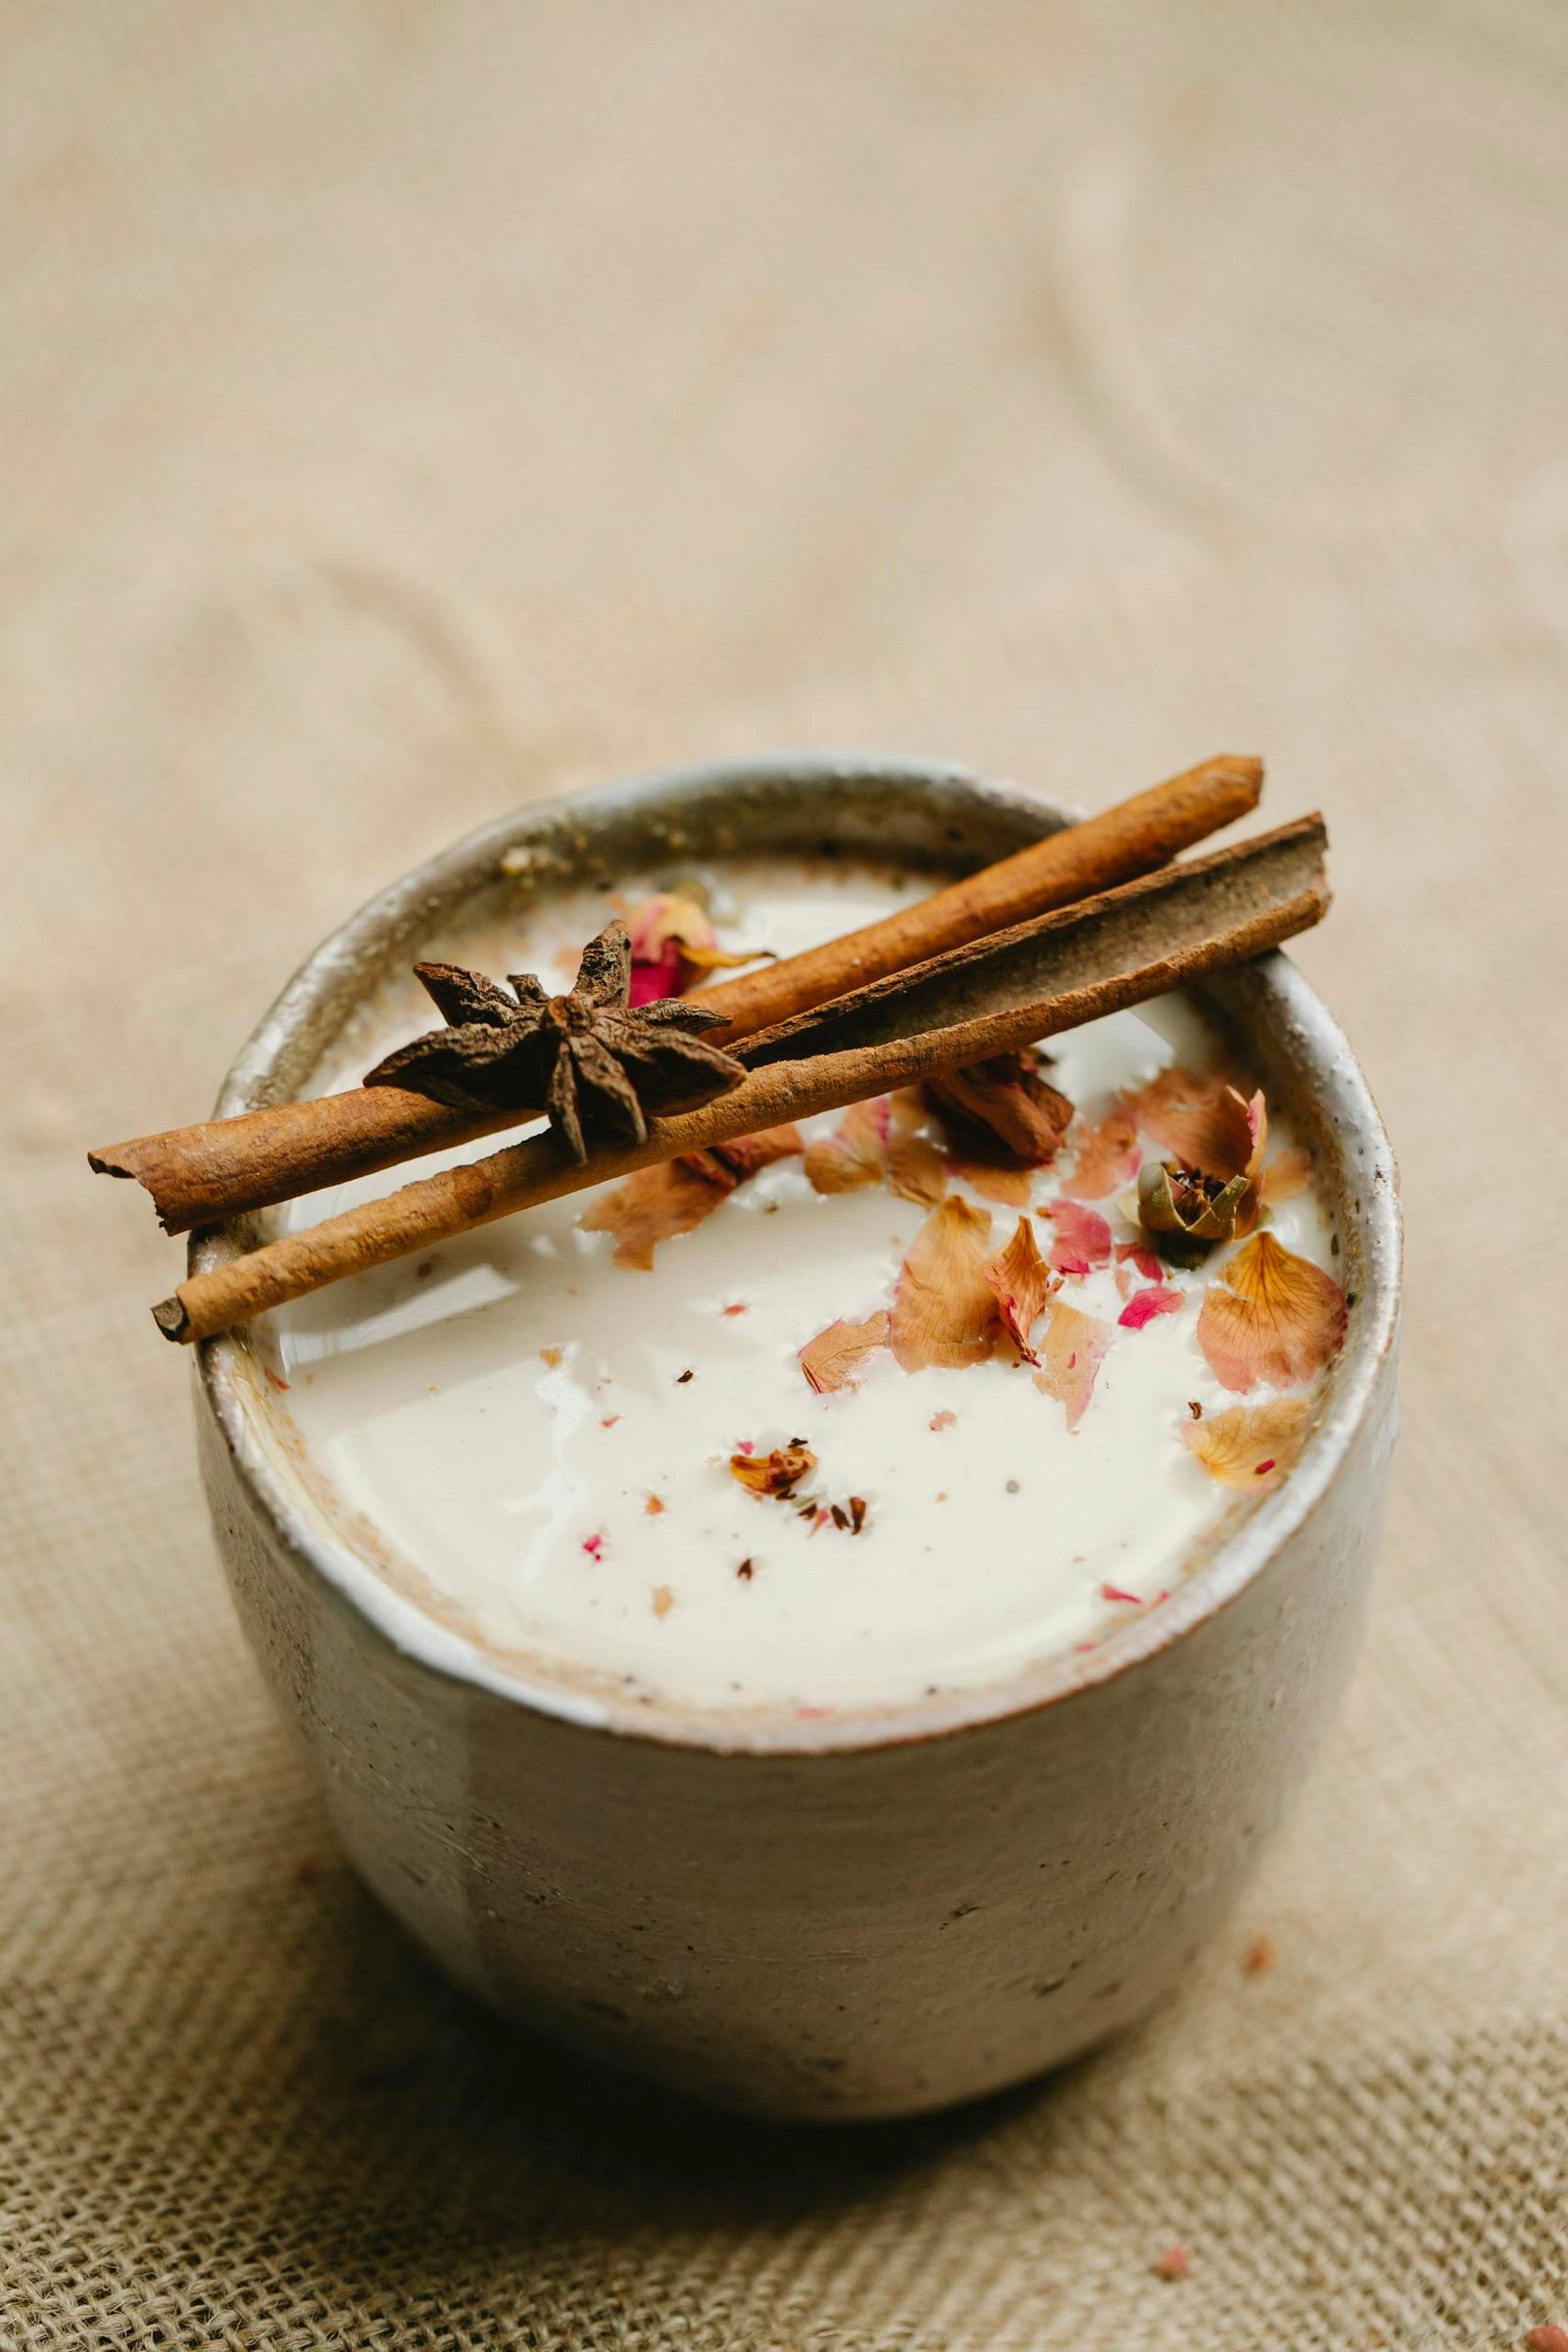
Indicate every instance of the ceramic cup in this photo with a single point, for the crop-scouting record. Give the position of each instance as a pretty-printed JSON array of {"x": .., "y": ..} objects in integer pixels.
[{"x": 879, "y": 1913}]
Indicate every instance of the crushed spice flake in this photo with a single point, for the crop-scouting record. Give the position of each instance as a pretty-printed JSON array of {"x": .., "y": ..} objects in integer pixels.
[
  {"x": 664, "y": 1600},
  {"x": 1081, "y": 1243},
  {"x": 682, "y": 1378},
  {"x": 1270, "y": 1316},
  {"x": 609, "y": 1420},
  {"x": 1248, "y": 1443},
  {"x": 944, "y": 1307},
  {"x": 777, "y": 1473},
  {"x": 275, "y": 1379},
  {"x": 736, "y": 1307},
  {"x": 1074, "y": 1349},
  {"x": 1195, "y": 1408},
  {"x": 1259, "y": 1956},
  {"x": 1022, "y": 1283},
  {"x": 1144, "y": 1306},
  {"x": 1174, "y": 2264},
  {"x": 746, "y": 1571},
  {"x": 943, "y": 1420},
  {"x": 653, "y": 1507},
  {"x": 837, "y": 1356},
  {"x": 551, "y": 1357},
  {"x": 594, "y": 1546}
]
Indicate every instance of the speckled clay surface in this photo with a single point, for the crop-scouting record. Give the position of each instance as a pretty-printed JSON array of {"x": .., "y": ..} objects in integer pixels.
[{"x": 874, "y": 1914}]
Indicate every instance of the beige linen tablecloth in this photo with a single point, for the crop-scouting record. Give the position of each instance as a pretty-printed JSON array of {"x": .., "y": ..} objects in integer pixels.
[{"x": 410, "y": 410}]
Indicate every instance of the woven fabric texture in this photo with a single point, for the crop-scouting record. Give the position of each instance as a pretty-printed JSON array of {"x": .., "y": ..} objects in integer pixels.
[{"x": 410, "y": 410}]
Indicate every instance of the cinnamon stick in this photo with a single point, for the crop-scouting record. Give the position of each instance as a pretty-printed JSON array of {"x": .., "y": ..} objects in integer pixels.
[
  {"x": 1119, "y": 949},
  {"x": 200, "y": 1174}
]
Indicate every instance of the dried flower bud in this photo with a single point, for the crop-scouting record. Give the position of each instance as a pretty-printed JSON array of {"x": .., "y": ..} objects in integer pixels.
[{"x": 1188, "y": 1211}]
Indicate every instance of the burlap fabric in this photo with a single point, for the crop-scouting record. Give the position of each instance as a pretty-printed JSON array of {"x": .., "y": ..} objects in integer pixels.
[{"x": 410, "y": 410}]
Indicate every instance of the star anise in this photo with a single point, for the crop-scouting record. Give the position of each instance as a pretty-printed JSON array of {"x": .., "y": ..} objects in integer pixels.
[{"x": 585, "y": 1058}]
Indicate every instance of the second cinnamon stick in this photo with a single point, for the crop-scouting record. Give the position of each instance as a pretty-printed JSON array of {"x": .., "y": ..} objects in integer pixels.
[
  {"x": 200, "y": 1174},
  {"x": 1125, "y": 946}
]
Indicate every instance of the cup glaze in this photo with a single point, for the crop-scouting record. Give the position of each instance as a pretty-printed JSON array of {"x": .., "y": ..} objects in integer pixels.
[{"x": 879, "y": 1913}]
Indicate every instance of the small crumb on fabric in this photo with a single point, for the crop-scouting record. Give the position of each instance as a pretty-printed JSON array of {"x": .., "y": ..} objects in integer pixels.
[
  {"x": 1547, "y": 2339},
  {"x": 1175, "y": 2263},
  {"x": 1259, "y": 1957}
]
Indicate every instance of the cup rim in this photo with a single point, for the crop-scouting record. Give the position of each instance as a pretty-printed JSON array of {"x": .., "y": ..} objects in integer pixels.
[{"x": 360, "y": 948}]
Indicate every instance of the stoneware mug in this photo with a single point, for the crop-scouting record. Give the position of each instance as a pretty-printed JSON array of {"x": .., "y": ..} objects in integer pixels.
[{"x": 872, "y": 1914}]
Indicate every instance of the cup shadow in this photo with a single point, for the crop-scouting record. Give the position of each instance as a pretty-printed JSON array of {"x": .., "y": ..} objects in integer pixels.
[{"x": 443, "y": 2140}]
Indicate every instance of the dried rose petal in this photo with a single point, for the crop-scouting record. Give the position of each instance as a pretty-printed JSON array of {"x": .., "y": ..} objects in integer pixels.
[
  {"x": 834, "y": 1358},
  {"x": 744, "y": 1154},
  {"x": 1022, "y": 1283},
  {"x": 1161, "y": 1298},
  {"x": 916, "y": 1169},
  {"x": 675, "y": 1195},
  {"x": 1205, "y": 1123},
  {"x": 1270, "y": 1315},
  {"x": 1140, "y": 1254},
  {"x": 1282, "y": 1178},
  {"x": 1009, "y": 1098},
  {"x": 944, "y": 1310},
  {"x": 1074, "y": 1349},
  {"x": 672, "y": 944},
  {"x": 1082, "y": 1240},
  {"x": 867, "y": 1147},
  {"x": 1006, "y": 1184},
  {"x": 1250, "y": 1446},
  {"x": 777, "y": 1473},
  {"x": 1107, "y": 1154},
  {"x": 854, "y": 1154},
  {"x": 654, "y": 1204}
]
